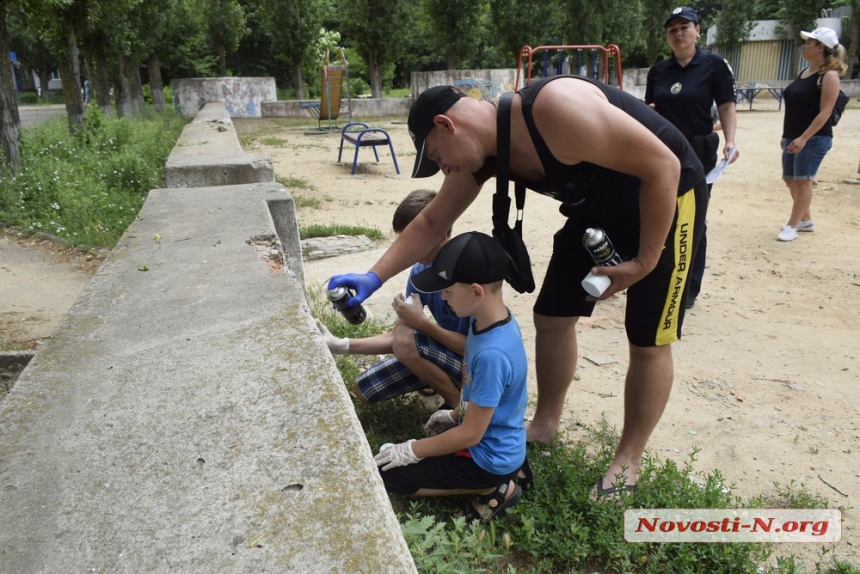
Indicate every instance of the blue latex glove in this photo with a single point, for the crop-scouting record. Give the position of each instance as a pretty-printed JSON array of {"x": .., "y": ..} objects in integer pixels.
[{"x": 364, "y": 285}]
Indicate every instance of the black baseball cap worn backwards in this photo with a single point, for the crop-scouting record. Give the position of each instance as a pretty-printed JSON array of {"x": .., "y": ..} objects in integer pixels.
[
  {"x": 472, "y": 257},
  {"x": 684, "y": 12},
  {"x": 430, "y": 103}
]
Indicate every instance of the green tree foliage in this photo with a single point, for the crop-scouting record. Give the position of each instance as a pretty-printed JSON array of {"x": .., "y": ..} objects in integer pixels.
[
  {"x": 623, "y": 26},
  {"x": 373, "y": 27},
  {"x": 765, "y": 10},
  {"x": 60, "y": 23},
  {"x": 584, "y": 21},
  {"x": 654, "y": 15},
  {"x": 455, "y": 23},
  {"x": 732, "y": 26},
  {"x": 225, "y": 25},
  {"x": 293, "y": 26},
  {"x": 797, "y": 15},
  {"x": 160, "y": 26},
  {"x": 32, "y": 51},
  {"x": 518, "y": 23}
]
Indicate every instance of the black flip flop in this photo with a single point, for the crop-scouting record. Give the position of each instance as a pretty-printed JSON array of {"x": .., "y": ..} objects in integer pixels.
[{"x": 610, "y": 490}]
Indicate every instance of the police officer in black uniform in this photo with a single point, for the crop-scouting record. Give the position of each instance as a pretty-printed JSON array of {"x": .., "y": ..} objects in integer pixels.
[{"x": 682, "y": 89}]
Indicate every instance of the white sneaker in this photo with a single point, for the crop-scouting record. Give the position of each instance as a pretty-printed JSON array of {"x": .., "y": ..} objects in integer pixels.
[
  {"x": 788, "y": 233},
  {"x": 808, "y": 225}
]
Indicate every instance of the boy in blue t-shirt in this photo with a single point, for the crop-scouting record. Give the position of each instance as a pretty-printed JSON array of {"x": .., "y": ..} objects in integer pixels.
[
  {"x": 425, "y": 353},
  {"x": 482, "y": 442}
]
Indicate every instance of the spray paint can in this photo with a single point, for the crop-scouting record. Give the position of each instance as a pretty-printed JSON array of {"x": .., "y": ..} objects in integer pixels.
[
  {"x": 339, "y": 296},
  {"x": 603, "y": 253},
  {"x": 600, "y": 248}
]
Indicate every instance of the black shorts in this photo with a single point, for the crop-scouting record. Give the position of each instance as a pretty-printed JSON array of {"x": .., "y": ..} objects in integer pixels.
[
  {"x": 449, "y": 472},
  {"x": 656, "y": 303}
]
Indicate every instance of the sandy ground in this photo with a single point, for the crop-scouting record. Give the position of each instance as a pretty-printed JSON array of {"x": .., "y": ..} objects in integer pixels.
[
  {"x": 766, "y": 381},
  {"x": 39, "y": 282}
]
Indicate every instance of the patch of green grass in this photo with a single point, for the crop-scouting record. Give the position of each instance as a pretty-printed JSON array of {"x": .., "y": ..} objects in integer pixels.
[
  {"x": 334, "y": 229},
  {"x": 791, "y": 495},
  {"x": 305, "y": 201},
  {"x": 398, "y": 93},
  {"x": 274, "y": 141},
  {"x": 306, "y": 146},
  {"x": 13, "y": 346},
  {"x": 86, "y": 189},
  {"x": 294, "y": 182}
]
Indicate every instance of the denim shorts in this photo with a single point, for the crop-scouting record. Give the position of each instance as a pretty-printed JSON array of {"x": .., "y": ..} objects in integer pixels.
[{"x": 804, "y": 165}]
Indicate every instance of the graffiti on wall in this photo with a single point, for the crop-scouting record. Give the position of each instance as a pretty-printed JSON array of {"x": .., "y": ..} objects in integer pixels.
[
  {"x": 483, "y": 89},
  {"x": 241, "y": 96}
]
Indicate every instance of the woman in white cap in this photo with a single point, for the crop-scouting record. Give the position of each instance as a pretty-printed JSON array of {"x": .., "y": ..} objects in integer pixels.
[{"x": 807, "y": 130}]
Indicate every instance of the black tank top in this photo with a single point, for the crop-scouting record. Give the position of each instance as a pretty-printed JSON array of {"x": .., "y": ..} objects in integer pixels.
[
  {"x": 590, "y": 188},
  {"x": 802, "y": 103}
]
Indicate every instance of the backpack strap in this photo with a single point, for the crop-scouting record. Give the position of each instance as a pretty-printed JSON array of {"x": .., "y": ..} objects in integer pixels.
[{"x": 501, "y": 201}]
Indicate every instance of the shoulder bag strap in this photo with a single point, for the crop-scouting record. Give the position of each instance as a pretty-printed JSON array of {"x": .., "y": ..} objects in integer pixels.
[{"x": 501, "y": 201}]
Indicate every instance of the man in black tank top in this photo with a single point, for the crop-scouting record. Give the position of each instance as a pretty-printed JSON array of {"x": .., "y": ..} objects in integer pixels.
[{"x": 612, "y": 162}]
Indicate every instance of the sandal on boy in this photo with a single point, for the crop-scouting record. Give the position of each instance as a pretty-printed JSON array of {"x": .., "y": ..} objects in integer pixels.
[
  {"x": 494, "y": 504},
  {"x": 527, "y": 480}
]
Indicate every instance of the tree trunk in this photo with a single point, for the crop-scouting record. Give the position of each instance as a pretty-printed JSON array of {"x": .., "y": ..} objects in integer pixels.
[
  {"x": 222, "y": 61},
  {"x": 44, "y": 81},
  {"x": 10, "y": 121},
  {"x": 101, "y": 81},
  {"x": 299, "y": 80},
  {"x": 135, "y": 87},
  {"x": 70, "y": 74},
  {"x": 452, "y": 56},
  {"x": 375, "y": 75},
  {"x": 156, "y": 84},
  {"x": 121, "y": 92}
]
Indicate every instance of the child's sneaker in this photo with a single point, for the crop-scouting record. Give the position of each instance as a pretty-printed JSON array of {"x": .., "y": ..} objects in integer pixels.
[
  {"x": 788, "y": 233},
  {"x": 808, "y": 225}
]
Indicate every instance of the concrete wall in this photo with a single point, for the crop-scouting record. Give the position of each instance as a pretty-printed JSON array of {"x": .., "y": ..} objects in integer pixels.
[
  {"x": 361, "y": 108},
  {"x": 241, "y": 96},
  {"x": 208, "y": 153},
  {"x": 484, "y": 84}
]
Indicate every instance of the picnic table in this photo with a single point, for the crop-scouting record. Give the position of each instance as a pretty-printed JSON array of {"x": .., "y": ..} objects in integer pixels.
[{"x": 748, "y": 92}]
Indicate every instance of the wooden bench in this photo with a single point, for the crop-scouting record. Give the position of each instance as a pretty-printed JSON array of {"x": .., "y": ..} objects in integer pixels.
[{"x": 360, "y": 134}]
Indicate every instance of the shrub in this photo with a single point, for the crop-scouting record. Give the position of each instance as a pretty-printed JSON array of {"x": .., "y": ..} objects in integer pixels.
[{"x": 86, "y": 189}]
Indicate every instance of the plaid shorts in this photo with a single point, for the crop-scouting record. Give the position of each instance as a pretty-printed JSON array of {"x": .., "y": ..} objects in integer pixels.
[{"x": 390, "y": 378}]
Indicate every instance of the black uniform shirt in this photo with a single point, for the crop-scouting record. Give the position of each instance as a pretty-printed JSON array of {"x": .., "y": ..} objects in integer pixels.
[{"x": 684, "y": 95}]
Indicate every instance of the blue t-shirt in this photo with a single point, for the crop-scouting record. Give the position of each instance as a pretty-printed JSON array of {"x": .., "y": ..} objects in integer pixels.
[
  {"x": 439, "y": 309},
  {"x": 495, "y": 373}
]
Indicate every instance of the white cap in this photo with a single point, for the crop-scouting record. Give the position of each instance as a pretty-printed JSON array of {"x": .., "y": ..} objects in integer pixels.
[
  {"x": 596, "y": 285},
  {"x": 824, "y": 35}
]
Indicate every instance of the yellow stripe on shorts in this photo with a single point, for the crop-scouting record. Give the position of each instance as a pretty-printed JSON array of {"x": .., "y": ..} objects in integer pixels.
[{"x": 683, "y": 250}]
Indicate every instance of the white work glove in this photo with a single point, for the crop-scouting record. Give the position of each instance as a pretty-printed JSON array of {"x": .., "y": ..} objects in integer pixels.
[
  {"x": 398, "y": 455},
  {"x": 336, "y": 345},
  {"x": 440, "y": 421}
]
